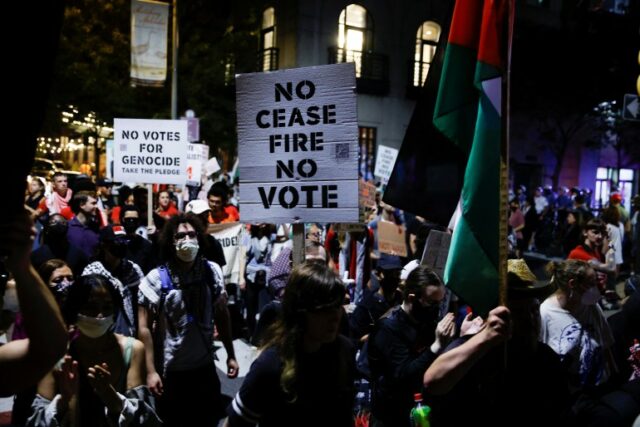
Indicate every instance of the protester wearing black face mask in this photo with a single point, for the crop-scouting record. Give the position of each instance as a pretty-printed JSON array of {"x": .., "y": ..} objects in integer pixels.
[
  {"x": 403, "y": 343},
  {"x": 139, "y": 250},
  {"x": 56, "y": 246},
  {"x": 374, "y": 304},
  {"x": 123, "y": 274},
  {"x": 131, "y": 225}
]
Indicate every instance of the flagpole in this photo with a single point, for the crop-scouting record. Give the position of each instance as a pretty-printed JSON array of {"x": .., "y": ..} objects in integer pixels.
[
  {"x": 174, "y": 61},
  {"x": 504, "y": 157}
]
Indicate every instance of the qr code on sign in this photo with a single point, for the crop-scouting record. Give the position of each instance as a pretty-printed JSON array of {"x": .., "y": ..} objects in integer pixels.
[
  {"x": 123, "y": 147},
  {"x": 342, "y": 151}
]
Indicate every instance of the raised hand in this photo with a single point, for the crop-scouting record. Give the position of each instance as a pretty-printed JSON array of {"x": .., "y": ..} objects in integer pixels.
[
  {"x": 445, "y": 331},
  {"x": 100, "y": 379},
  {"x": 67, "y": 379},
  {"x": 471, "y": 326}
]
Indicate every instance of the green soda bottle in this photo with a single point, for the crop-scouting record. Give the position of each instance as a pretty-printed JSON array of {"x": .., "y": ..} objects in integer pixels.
[{"x": 420, "y": 413}]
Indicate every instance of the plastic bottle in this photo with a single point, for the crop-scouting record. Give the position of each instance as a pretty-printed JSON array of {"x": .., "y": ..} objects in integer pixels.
[{"x": 420, "y": 413}]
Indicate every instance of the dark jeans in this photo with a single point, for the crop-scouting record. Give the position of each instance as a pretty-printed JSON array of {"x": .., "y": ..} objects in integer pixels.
[
  {"x": 253, "y": 298},
  {"x": 191, "y": 398}
]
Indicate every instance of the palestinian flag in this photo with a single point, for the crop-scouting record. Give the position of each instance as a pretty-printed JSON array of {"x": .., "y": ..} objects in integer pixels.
[{"x": 468, "y": 112}]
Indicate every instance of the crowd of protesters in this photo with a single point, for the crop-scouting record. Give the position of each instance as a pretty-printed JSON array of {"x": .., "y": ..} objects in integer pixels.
[{"x": 346, "y": 338}]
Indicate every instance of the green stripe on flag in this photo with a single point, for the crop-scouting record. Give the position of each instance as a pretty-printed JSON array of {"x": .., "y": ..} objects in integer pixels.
[
  {"x": 469, "y": 273},
  {"x": 470, "y": 117},
  {"x": 457, "y": 104}
]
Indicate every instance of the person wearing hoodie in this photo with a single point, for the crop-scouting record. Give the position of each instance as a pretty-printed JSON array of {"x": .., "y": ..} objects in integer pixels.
[{"x": 56, "y": 246}]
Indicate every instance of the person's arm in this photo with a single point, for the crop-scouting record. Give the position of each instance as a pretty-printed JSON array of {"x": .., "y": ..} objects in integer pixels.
[
  {"x": 144, "y": 332},
  {"x": 223, "y": 324},
  {"x": 24, "y": 362},
  {"x": 450, "y": 367},
  {"x": 242, "y": 259}
]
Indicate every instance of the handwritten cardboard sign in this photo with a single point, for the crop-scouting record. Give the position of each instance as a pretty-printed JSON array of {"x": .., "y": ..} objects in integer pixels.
[{"x": 391, "y": 239}]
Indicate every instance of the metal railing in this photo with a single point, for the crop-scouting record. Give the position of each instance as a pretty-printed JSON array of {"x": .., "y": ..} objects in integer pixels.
[{"x": 372, "y": 69}]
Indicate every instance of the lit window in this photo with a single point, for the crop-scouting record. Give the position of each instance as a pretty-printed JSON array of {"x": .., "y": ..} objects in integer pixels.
[
  {"x": 268, "y": 51},
  {"x": 626, "y": 174},
  {"x": 354, "y": 35},
  {"x": 609, "y": 180},
  {"x": 426, "y": 43}
]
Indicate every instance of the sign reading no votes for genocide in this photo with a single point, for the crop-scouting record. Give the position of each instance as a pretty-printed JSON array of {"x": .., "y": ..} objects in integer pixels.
[
  {"x": 298, "y": 145},
  {"x": 150, "y": 151}
]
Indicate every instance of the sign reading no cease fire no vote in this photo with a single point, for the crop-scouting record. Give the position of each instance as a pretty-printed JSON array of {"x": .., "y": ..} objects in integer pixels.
[
  {"x": 150, "y": 151},
  {"x": 298, "y": 145}
]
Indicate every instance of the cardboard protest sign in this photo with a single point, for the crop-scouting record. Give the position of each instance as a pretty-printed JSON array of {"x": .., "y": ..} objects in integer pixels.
[
  {"x": 298, "y": 145},
  {"x": 230, "y": 239},
  {"x": 436, "y": 251},
  {"x": 391, "y": 239},
  {"x": 150, "y": 151},
  {"x": 367, "y": 198}
]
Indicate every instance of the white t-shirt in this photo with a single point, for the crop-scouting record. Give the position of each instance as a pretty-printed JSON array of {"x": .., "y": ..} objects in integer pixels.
[
  {"x": 615, "y": 239},
  {"x": 582, "y": 341},
  {"x": 541, "y": 202}
]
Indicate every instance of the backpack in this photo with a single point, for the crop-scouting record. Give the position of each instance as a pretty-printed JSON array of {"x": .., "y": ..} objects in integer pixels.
[{"x": 631, "y": 285}]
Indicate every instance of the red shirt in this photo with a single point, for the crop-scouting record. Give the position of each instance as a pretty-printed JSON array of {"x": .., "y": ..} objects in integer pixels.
[
  {"x": 585, "y": 253},
  {"x": 169, "y": 212},
  {"x": 231, "y": 214}
]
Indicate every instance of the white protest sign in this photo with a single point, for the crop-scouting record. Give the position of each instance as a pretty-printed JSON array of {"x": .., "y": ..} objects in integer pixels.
[
  {"x": 150, "y": 151},
  {"x": 436, "y": 251},
  {"x": 197, "y": 156},
  {"x": 298, "y": 145},
  {"x": 385, "y": 160},
  {"x": 230, "y": 239},
  {"x": 212, "y": 166}
]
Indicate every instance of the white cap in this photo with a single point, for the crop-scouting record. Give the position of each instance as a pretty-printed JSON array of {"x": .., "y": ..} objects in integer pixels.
[
  {"x": 407, "y": 269},
  {"x": 197, "y": 206}
]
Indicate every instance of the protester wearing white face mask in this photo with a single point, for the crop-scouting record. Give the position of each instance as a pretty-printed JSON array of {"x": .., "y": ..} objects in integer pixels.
[
  {"x": 100, "y": 380},
  {"x": 184, "y": 296},
  {"x": 574, "y": 326}
]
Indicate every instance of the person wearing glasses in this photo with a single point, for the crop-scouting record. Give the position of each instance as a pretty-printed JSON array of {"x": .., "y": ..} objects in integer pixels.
[
  {"x": 183, "y": 298},
  {"x": 403, "y": 343},
  {"x": 306, "y": 370}
]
